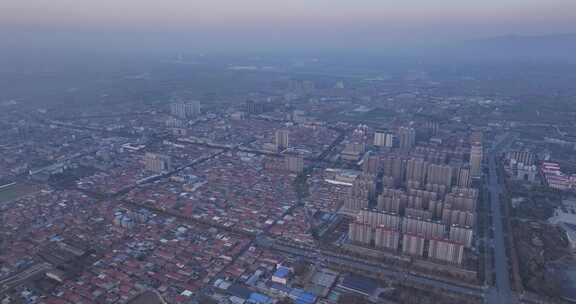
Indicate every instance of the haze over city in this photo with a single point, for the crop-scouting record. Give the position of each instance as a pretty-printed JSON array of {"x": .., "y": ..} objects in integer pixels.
[
  {"x": 287, "y": 152},
  {"x": 259, "y": 24}
]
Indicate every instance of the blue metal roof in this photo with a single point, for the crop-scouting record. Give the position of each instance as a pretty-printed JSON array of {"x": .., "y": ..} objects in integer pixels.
[
  {"x": 306, "y": 298},
  {"x": 282, "y": 272},
  {"x": 259, "y": 298}
]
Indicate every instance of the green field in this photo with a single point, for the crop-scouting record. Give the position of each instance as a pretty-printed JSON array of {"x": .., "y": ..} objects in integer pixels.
[{"x": 16, "y": 191}]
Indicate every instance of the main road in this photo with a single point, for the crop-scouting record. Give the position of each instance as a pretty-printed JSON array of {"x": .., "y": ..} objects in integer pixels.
[
  {"x": 502, "y": 293},
  {"x": 313, "y": 254}
]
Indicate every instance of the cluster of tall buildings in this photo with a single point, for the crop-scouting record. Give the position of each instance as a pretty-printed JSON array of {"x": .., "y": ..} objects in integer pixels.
[
  {"x": 419, "y": 173},
  {"x": 404, "y": 138},
  {"x": 255, "y": 107},
  {"x": 410, "y": 236},
  {"x": 419, "y": 203},
  {"x": 301, "y": 86},
  {"x": 521, "y": 165},
  {"x": 363, "y": 190},
  {"x": 181, "y": 112},
  {"x": 185, "y": 110}
]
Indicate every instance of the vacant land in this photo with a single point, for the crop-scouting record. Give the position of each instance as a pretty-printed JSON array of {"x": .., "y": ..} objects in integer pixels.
[{"x": 15, "y": 191}]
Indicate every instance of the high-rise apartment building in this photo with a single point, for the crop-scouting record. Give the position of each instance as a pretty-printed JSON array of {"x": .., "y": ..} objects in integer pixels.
[
  {"x": 352, "y": 202},
  {"x": 384, "y": 139},
  {"x": 412, "y": 244},
  {"x": 294, "y": 163},
  {"x": 416, "y": 170},
  {"x": 394, "y": 167},
  {"x": 371, "y": 164},
  {"x": 476, "y": 156},
  {"x": 407, "y": 138},
  {"x": 281, "y": 139},
  {"x": 360, "y": 233},
  {"x": 386, "y": 238},
  {"x": 476, "y": 138},
  {"x": 446, "y": 251},
  {"x": 432, "y": 127},
  {"x": 254, "y": 107},
  {"x": 379, "y": 219},
  {"x": 157, "y": 163},
  {"x": 173, "y": 122},
  {"x": 439, "y": 175},
  {"x": 461, "y": 235},
  {"x": 184, "y": 110},
  {"x": 426, "y": 228},
  {"x": 463, "y": 178},
  {"x": 521, "y": 157}
]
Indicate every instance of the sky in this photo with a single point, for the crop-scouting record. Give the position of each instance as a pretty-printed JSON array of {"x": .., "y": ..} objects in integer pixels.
[{"x": 316, "y": 23}]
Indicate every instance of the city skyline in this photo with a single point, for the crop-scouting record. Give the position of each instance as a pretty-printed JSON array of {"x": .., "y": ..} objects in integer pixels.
[{"x": 287, "y": 152}]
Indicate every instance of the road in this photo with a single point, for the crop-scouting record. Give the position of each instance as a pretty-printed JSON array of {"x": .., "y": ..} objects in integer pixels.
[
  {"x": 377, "y": 268},
  {"x": 502, "y": 293},
  {"x": 22, "y": 277}
]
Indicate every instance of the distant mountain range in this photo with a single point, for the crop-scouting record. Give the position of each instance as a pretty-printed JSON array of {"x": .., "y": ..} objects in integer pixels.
[
  {"x": 552, "y": 48},
  {"x": 550, "y": 43}
]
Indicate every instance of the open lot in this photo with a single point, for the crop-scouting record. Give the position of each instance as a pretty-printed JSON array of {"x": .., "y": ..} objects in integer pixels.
[{"x": 15, "y": 191}]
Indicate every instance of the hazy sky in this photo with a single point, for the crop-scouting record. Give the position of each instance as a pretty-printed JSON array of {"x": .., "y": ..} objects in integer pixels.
[{"x": 317, "y": 22}]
